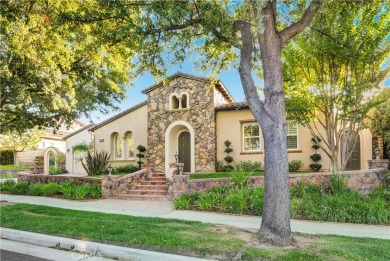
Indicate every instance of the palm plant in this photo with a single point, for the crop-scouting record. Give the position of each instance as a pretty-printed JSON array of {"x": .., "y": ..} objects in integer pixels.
[{"x": 95, "y": 164}]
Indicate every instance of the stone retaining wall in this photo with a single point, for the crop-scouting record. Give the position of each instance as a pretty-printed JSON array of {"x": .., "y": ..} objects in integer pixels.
[
  {"x": 363, "y": 180},
  {"x": 36, "y": 178},
  {"x": 115, "y": 185}
]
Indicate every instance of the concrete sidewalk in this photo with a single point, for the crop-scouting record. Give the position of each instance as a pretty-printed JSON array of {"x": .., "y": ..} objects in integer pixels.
[{"x": 165, "y": 210}]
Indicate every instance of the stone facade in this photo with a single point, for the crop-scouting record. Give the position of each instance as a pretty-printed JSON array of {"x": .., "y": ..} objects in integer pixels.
[
  {"x": 34, "y": 179},
  {"x": 199, "y": 115},
  {"x": 365, "y": 181},
  {"x": 378, "y": 163}
]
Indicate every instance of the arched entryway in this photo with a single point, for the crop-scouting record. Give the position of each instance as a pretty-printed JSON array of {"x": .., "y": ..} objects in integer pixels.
[
  {"x": 180, "y": 139},
  {"x": 49, "y": 157}
]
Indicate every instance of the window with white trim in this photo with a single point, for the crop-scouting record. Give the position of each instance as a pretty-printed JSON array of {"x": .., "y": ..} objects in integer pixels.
[
  {"x": 179, "y": 101},
  {"x": 292, "y": 135},
  {"x": 118, "y": 146},
  {"x": 250, "y": 136},
  {"x": 130, "y": 145}
]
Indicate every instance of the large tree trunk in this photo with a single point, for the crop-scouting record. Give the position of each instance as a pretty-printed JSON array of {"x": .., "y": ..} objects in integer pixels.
[
  {"x": 275, "y": 224},
  {"x": 270, "y": 113}
]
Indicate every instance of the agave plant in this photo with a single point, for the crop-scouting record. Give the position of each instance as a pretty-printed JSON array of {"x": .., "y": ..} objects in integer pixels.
[{"x": 95, "y": 164}]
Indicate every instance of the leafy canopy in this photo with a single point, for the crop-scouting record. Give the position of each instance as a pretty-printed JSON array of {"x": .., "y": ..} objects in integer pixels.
[
  {"x": 53, "y": 72},
  {"x": 332, "y": 70}
]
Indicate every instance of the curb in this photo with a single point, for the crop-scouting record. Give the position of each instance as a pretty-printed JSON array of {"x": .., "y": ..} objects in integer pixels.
[{"x": 93, "y": 248}]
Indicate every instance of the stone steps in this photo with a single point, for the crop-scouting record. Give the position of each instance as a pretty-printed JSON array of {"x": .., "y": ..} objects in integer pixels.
[
  {"x": 156, "y": 179},
  {"x": 150, "y": 183},
  {"x": 152, "y": 188}
]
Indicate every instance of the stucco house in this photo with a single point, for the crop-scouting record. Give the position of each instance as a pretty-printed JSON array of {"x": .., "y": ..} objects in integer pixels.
[{"x": 192, "y": 116}]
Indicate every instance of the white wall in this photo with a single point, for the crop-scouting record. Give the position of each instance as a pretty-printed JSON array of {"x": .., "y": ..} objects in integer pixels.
[{"x": 73, "y": 164}]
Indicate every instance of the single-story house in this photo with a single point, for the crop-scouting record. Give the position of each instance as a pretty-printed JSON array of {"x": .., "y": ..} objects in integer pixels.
[{"x": 192, "y": 116}]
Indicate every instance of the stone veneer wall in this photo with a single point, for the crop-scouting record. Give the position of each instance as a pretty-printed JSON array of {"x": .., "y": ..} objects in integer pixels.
[
  {"x": 36, "y": 178},
  {"x": 363, "y": 180},
  {"x": 115, "y": 185},
  {"x": 200, "y": 116}
]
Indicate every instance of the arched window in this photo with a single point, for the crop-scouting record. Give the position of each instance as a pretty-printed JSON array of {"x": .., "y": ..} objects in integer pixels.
[
  {"x": 184, "y": 101},
  {"x": 175, "y": 102},
  {"x": 179, "y": 101},
  {"x": 118, "y": 146},
  {"x": 130, "y": 145}
]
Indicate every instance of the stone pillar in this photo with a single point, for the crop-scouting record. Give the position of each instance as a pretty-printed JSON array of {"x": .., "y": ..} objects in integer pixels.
[
  {"x": 378, "y": 164},
  {"x": 108, "y": 185}
]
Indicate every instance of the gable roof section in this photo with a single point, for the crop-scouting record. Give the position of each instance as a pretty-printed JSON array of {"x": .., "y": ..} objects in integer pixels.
[
  {"x": 117, "y": 116},
  {"x": 219, "y": 85},
  {"x": 78, "y": 131},
  {"x": 234, "y": 106}
]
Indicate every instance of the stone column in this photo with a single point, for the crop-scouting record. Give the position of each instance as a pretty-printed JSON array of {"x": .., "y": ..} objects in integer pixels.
[{"x": 378, "y": 164}]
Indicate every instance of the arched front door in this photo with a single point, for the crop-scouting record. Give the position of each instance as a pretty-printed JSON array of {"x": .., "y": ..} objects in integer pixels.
[
  {"x": 354, "y": 161},
  {"x": 184, "y": 144}
]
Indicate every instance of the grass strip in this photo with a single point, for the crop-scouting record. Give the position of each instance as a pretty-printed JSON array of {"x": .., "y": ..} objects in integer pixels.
[
  {"x": 13, "y": 167},
  {"x": 184, "y": 237},
  {"x": 122, "y": 174}
]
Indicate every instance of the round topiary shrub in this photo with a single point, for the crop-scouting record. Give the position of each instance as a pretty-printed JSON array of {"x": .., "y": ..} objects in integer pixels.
[
  {"x": 315, "y": 167},
  {"x": 315, "y": 157},
  {"x": 228, "y": 159}
]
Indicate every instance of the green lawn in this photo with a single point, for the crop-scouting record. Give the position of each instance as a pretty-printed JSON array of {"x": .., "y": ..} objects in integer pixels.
[
  {"x": 12, "y": 167},
  {"x": 213, "y": 175},
  {"x": 184, "y": 237},
  {"x": 114, "y": 174}
]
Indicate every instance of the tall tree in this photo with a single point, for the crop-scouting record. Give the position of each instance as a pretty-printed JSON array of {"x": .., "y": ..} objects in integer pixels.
[
  {"x": 51, "y": 73},
  {"x": 251, "y": 32},
  {"x": 332, "y": 69},
  {"x": 18, "y": 142}
]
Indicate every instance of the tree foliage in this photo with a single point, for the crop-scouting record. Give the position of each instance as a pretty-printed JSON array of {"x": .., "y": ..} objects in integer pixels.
[
  {"x": 52, "y": 72},
  {"x": 378, "y": 118},
  {"x": 332, "y": 70},
  {"x": 18, "y": 142}
]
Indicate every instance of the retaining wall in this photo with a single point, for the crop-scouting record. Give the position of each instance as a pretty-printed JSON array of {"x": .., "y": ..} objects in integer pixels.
[
  {"x": 36, "y": 178},
  {"x": 115, "y": 185},
  {"x": 363, "y": 180}
]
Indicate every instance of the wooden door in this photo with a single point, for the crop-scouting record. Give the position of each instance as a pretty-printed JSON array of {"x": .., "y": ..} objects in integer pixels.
[{"x": 185, "y": 150}]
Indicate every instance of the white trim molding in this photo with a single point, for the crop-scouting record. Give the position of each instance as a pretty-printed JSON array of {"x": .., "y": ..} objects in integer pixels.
[{"x": 169, "y": 153}]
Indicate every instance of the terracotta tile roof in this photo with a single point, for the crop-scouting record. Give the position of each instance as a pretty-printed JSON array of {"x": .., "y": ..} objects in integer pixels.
[
  {"x": 117, "y": 116},
  {"x": 232, "y": 106},
  {"x": 219, "y": 85},
  {"x": 79, "y": 130}
]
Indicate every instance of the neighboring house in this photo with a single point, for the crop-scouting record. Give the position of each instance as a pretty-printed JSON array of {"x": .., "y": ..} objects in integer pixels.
[
  {"x": 52, "y": 142},
  {"x": 192, "y": 117}
]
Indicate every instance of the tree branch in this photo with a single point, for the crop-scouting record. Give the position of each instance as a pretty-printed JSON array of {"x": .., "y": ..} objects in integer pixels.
[
  {"x": 297, "y": 27},
  {"x": 245, "y": 69}
]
